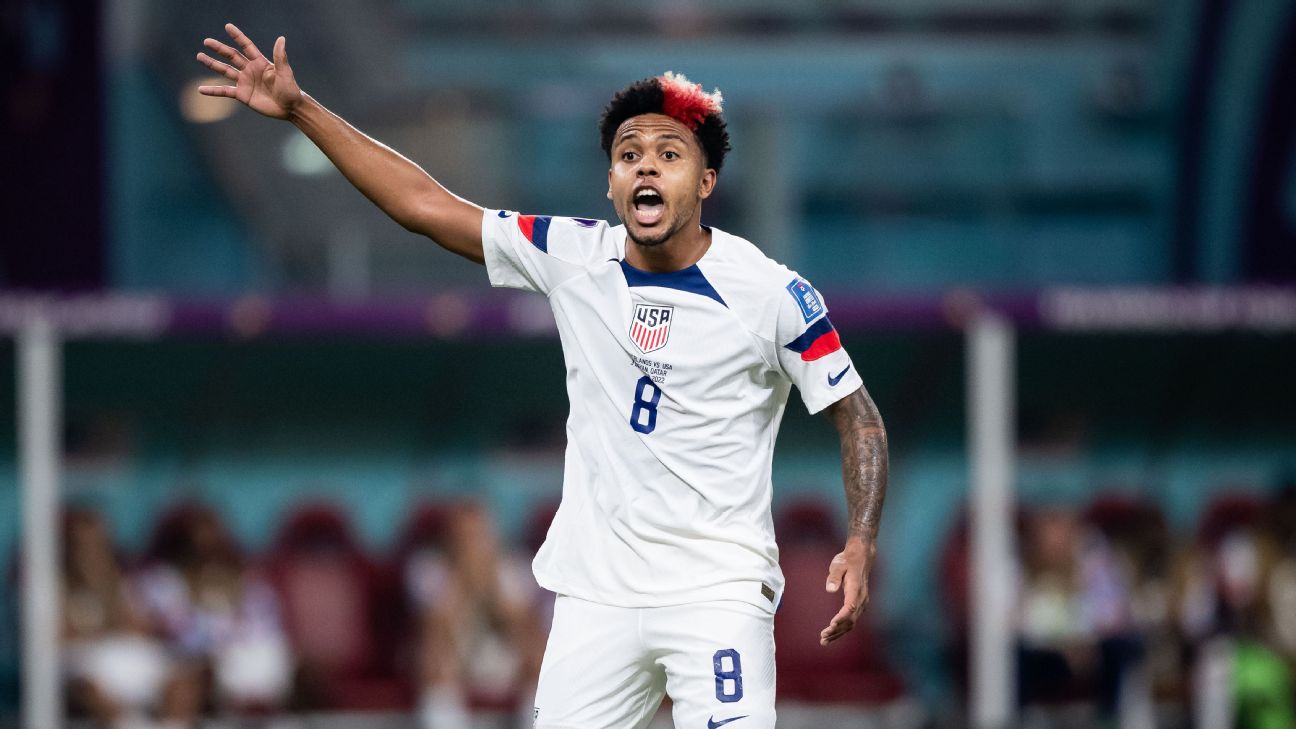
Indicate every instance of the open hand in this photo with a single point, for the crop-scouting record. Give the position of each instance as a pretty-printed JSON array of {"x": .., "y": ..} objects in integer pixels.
[
  {"x": 268, "y": 88},
  {"x": 848, "y": 572}
]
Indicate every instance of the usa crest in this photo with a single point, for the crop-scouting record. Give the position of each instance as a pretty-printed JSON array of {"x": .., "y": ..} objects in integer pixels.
[{"x": 650, "y": 327}]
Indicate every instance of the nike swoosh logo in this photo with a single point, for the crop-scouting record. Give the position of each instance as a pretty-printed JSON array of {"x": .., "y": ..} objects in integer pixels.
[
  {"x": 504, "y": 213},
  {"x": 832, "y": 381},
  {"x": 712, "y": 723}
]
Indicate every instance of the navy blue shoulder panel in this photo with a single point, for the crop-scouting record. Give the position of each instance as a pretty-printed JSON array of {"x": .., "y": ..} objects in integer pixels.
[
  {"x": 808, "y": 337},
  {"x": 687, "y": 279},
  {"x": 540, "y": 232}
]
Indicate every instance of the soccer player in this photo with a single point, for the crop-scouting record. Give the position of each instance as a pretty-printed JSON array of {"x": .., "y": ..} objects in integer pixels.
[{"x": 681, "y": 343}]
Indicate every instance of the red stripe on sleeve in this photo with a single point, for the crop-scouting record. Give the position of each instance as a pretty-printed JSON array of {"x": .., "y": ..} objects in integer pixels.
[
  {"x": 826, "y": 344},
  {"x": 526, "y": 223}
]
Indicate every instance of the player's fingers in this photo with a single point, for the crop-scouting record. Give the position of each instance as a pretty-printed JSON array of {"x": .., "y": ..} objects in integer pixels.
[
  {"x": 249, "y": 48},
  {"x": 217, "y": 91},
  {"x": 830, "y": 635},
  {"x": 835, "y": 631},
  {"x": 836, "y": 572},
  {"x": 281, "y": 54},
  {"x": 222, "y": 68},
  {"x": 235, "y": 58},
  {"x": 841, "y": 623}
]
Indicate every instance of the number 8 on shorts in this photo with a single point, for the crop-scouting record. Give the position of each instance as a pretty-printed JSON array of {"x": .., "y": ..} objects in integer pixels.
[{"x": 728, "y": 681}]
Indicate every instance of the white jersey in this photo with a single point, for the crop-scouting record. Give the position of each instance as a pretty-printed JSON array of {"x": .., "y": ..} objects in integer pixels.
[{"x": 677, "y": 383}]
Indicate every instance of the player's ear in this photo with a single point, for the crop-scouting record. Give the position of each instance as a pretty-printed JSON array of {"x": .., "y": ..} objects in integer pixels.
[
  {"x": 707, "y": 184},
  {"x": 609, "y": 183}
]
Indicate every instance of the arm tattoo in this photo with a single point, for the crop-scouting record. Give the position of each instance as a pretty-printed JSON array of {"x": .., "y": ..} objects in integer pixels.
[{"x": 864, "y": 461}]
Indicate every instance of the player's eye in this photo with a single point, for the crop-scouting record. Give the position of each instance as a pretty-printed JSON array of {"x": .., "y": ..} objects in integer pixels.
[
  {"x": 629, "y": 156},
  {"x": 670, "y": 155}
]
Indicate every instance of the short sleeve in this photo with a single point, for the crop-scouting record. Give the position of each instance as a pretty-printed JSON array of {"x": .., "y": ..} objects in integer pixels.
[
  {"x": 810, "y": 352},
  {"x": 537, "y": 252}
]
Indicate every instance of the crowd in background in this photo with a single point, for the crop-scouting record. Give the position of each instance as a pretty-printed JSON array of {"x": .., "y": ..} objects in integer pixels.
[
  {"x": 195, "y": 627},
  {"x": 1119, "y": 615}
]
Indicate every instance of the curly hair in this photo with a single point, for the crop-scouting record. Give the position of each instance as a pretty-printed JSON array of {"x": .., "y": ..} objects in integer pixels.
[{"x": 674, "y": 96}]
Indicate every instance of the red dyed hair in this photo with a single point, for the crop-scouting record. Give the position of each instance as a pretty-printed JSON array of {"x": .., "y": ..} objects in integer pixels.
[{"x": 686, "y": 102}]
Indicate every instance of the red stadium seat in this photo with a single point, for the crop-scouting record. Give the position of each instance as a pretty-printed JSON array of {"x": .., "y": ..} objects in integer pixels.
[
  {"x": 806, "y": 521},
  {"x": 170, "y": 532},
  {"x": 1135, "y": 526},
  {"x": 1229, "y": 512},
  {"x": 954, "y": 587},
  {"x": 330, "y": 593},
  {"x": 425, "y": 529},
  {"x": 537, "y": 525},
  {"x": 1118, "y": 515},
  {"x": 853, "y": 670}
]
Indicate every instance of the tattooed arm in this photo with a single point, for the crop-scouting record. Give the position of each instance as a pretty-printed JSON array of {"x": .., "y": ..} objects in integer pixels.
[{"x": 864, "y": 473}]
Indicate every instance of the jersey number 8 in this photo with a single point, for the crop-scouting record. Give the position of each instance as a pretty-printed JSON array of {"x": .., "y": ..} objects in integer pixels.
[{"x": 645, "y": 406}]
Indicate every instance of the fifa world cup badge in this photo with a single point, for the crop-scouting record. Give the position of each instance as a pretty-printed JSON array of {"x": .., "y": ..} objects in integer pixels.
[{"x": 807, "y": 298}]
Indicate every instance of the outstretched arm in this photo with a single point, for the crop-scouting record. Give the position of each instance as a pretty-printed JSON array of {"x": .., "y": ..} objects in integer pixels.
[
  {"x": 395, "y": 184},
  {"x": 864, "y": 472}
]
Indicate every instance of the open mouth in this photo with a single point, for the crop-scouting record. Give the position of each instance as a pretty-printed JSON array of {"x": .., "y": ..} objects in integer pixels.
[{"x": 648, "y": 206}]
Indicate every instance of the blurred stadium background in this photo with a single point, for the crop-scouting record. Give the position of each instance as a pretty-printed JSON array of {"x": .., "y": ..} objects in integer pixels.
[{"x": 1104, "y": 188}]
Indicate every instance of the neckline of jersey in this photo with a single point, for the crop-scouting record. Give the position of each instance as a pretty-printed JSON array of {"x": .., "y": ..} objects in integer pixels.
[{"x": 625, "y": 244}]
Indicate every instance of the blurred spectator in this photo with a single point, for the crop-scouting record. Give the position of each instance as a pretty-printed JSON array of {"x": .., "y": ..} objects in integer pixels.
[
  {"x": 117, "y": 672},
  {"x": 1075, "y": 626},
  {"x": 480, "y": 640},
  {"x": 1282, "y": 580},
  {"x": 219, "y": 615},
  {"x": 1138, "y": 537},
  {"x": 1226, "y": 612}
]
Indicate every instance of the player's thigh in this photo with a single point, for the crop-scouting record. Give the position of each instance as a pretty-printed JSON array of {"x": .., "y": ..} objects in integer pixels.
[
  {"x": 719, "y": 664},
  {"x": 596, "y": 673}
]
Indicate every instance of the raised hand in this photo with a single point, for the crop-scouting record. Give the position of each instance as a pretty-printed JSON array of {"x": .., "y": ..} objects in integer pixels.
[
  {"x": 396, "y": 185},
  {"x": 268, "y": 88}
]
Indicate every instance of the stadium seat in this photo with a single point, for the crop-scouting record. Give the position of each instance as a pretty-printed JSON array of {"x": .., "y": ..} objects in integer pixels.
[
  {"x": 806, "y": 522},
  {"x": 1117, "y": 515},
  {"x": 1229, "y": 512},
  {"x": 853, "y": 670},
  {"x": 169, "y": 535},
  {"x": 1136, "y": 526},
  {"x": 330, "y": 592},
  {"x": 954, "y": 588},
  {"x": 533, "y": 536},
  {"x": 425, "y": 529},
  {"x": 537, "y": 525}
]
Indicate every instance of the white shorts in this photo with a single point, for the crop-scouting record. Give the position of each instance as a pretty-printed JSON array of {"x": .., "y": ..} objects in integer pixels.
[{"x": 608, "y": 667}]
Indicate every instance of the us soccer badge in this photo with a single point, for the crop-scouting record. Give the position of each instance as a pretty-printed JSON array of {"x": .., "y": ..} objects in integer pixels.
[{"x": 650, "y": 327}]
